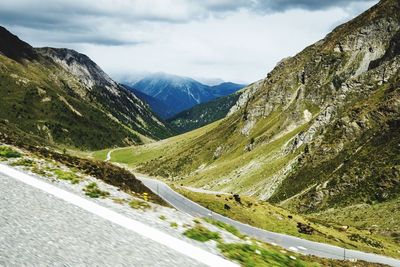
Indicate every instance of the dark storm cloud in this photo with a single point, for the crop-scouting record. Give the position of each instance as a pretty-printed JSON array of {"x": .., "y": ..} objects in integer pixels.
[
  {"x": 77, "y": 21},
  {"x": 282, "y": 5},
  {"x": 88, "y": 38},
  {"x": 270, "y": 6},
  {"x": 101, "y": 21}
]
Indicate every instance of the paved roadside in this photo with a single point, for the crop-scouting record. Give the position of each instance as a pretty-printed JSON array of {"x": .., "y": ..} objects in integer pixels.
[{"x": 43, "y": 225}]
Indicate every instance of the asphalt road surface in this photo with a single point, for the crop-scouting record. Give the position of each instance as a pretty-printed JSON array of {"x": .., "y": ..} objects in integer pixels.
[
  {"x": 289, "y": 242},
  {"x": 42, "y": 225}
]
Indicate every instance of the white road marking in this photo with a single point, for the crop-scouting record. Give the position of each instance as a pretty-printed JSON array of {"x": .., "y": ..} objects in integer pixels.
[
  {"x": 112, "y": 216},
  {"x": 302, "y": 248},
  {"x": 293, "y": 249}
]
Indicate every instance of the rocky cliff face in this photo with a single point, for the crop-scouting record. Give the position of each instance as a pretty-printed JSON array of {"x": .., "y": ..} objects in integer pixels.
[
  {"x": 63, "y": 97},
  {"x": 116, "y": 99},
  {"x": 300, "y": 133},
  {"x": 81, "y": 66}
]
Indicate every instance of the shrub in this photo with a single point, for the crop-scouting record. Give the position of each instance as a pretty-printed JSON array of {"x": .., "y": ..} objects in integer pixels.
[
  {"x": 196, "y": 221},
  {"x": 39, "y": 171},
  {"x": 201, "y": 234},
  {"x": 366, "y": 240},
  {"x": 24, "y": 162},
  {"x": 8, "y": 152},
  {"x": 68, "y": 176},
  {"x": 253, "y": 255},
  {"x": 231, "y": 229},
  {"x": 92, "y": 190},
  {"x": 138, "y": 204}
]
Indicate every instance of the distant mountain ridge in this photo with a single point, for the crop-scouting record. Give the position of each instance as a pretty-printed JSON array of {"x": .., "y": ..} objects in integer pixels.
[
  {"x": 226, "y": 88},
  {"x": 178, "y": 93},
  {"x": 12, "y": 47},
  {"x": 63, "y": 98},
  {"x": 156, "y": 105}
]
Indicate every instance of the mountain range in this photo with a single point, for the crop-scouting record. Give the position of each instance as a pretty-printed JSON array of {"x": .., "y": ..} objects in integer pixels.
[
  {"x": 63, "y": 97},
  {"x": 169, "y": 94}
]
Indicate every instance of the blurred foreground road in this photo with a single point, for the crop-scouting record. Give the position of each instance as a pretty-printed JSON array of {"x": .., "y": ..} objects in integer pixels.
[{"x": 41, "y": 225}]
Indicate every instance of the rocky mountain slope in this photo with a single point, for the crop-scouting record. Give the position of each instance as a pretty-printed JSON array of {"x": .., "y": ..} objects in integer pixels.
[
  {"x": 64, "y": 98},
  {"x": 179, "y": 93},
  {"x": 203, "y": 114},
  {"x": 156, "y": 105},
  {"x": 320, "y": 131}
]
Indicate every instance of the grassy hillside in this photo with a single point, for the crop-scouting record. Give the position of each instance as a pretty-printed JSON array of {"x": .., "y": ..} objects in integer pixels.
[
  {"x": 202, "y": 114},
  {"x": 75, "y": 105},
  {"x": 39, "y": 106},
  {"x": 32, "y": 156},
  {"x": 366, "y": 170},
  {"x": 133, "y": 156},
  {"x": 263, "y": 215},
  {"x": 380, "y": 218}
]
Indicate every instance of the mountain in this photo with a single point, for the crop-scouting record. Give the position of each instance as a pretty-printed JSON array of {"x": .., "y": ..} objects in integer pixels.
[
  {"x": 225, "y": 88},
  {"x": 63, "y": 97},
  {"x": 12, "y": 47},
  {"x": 203, "y": 114},
  {"x": 179, "y": 93},
  {"x": 156, "y": 105},
  {"x": 319, "y": 134}
]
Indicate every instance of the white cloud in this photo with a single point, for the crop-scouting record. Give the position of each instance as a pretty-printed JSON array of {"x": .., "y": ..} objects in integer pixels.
[{"x": 237, "y": 40}]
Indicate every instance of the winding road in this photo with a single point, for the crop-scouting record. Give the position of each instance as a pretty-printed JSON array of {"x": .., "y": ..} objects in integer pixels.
[
  {"x": 108, "y": 157},
  {"x": 289, "y": 242},
  {"x": 44, "y": 225}
]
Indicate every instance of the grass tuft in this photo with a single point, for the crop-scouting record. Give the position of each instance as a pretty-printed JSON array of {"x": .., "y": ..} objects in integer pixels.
[
  {"x": 138, "y": 204},
  {"x": 24, "y": 162},
  {"x": 227, "y": 227},
  {"x": 253, "y": 255},
  {"x": 92, "y": 190},
  {"x": 201, "y": 234},
  {"x": 67, "y": 176},
  {"x": 7, "y": 152}
]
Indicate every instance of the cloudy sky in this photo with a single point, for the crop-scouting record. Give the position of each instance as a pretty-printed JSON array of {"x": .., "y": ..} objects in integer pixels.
[{"x": 235, "y": 40}]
